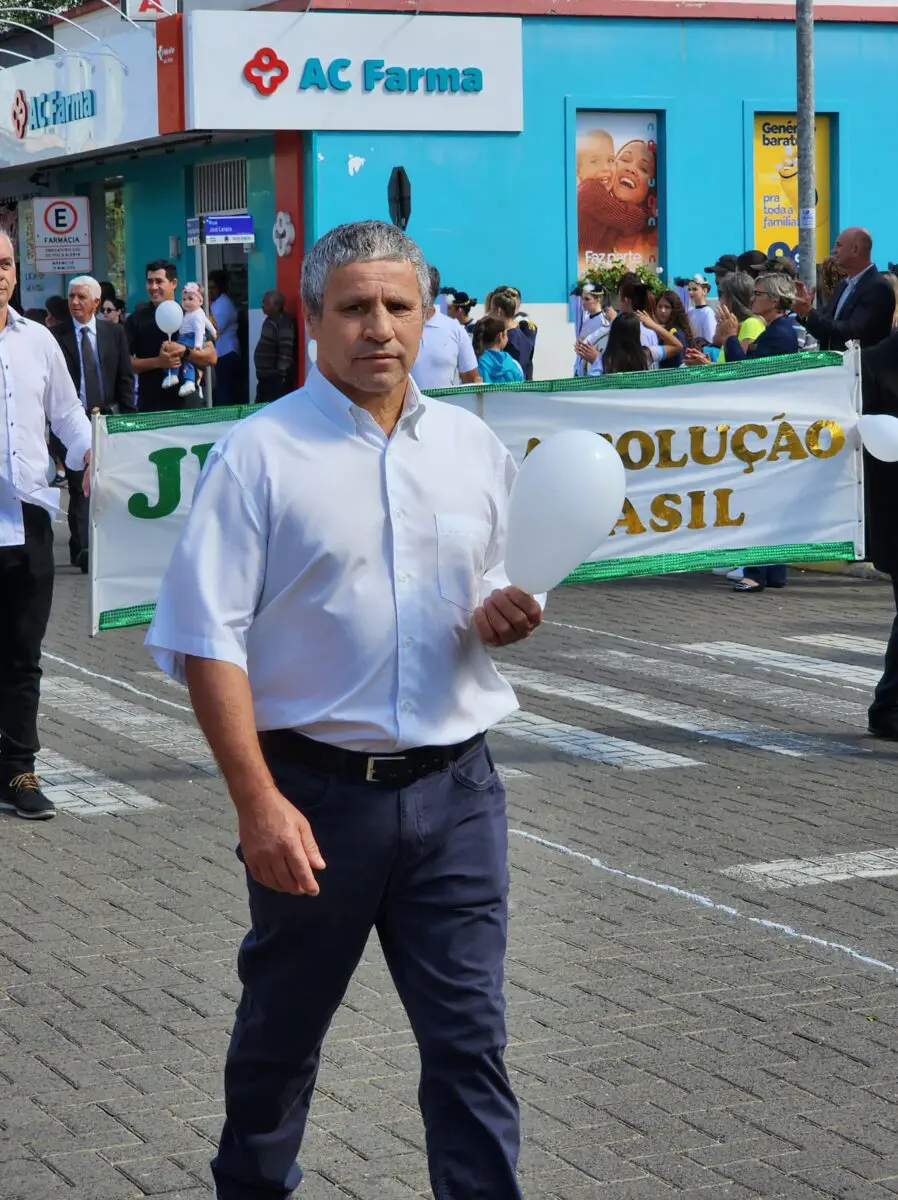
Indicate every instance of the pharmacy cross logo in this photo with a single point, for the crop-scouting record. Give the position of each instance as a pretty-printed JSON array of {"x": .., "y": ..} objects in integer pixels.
[
  {"x": 265, "y": 71},
  {"x": 20, "y": 114}
]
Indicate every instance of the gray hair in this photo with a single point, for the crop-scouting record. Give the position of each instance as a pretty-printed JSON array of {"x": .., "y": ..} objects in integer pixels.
[
  {"x": 737, "y": 290},
  {"x": 362, "y": 241},
  {"x": 86, "y": 281},
  {"x": 780, "y": 288}
]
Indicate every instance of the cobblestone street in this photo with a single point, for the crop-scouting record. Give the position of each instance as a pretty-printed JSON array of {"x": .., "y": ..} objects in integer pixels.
[{"x": 704, "y": 945}]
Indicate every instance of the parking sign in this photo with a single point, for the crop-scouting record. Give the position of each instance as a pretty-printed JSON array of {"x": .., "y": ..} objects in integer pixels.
[{"x": 62, "y": 235}]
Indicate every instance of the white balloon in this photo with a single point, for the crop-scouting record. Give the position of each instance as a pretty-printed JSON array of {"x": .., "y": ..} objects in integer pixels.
[
  {"x": 169, "y": 317},
  {"x": 879, "y": 434},
  {"x": 566, "y": 499}
]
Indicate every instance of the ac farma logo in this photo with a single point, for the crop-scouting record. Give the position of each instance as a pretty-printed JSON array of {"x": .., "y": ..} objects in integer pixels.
[{"x": 266, "y": 71}]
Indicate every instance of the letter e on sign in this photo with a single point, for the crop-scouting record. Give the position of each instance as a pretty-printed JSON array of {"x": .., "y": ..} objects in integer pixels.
[{"x": 61, "y": 217}]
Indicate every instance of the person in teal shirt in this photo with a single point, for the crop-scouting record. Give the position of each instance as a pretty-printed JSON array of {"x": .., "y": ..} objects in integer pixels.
[{"x": 494, "y": 362}]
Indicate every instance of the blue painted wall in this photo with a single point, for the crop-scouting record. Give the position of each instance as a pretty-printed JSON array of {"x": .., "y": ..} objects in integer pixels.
[{"x": 491, "y": 208}]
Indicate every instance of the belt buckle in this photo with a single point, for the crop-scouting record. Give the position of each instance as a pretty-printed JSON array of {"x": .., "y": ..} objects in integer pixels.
[{"x": 374, "y": 759}]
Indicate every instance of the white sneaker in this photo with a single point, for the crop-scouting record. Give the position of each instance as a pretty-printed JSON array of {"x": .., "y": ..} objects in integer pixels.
[
  {"x": 721, "y": 570},
  {"x": 736, "y": 574},
  {"x": 170, "y": 381},
  {"x": 187, "y": 389}
]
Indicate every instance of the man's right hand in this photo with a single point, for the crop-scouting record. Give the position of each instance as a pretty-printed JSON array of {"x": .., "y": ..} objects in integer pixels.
[
  {"x": 170, "y": 355},
  {"x": 278, "y": 846}
]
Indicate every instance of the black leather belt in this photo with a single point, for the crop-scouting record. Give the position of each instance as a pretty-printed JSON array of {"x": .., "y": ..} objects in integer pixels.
[{"x": 354, "y": 766}]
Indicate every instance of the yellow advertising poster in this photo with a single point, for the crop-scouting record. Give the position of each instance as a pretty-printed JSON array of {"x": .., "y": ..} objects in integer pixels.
[{"x": 776, "y": 185}]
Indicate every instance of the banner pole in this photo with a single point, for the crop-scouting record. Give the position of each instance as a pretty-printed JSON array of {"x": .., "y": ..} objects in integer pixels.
[{"x": 807, "y": 167}]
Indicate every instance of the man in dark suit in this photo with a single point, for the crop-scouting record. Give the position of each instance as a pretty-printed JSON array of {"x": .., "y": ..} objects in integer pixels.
[
  {"x": 99, "y": 362},
  {"x": 862, "y": 306}
]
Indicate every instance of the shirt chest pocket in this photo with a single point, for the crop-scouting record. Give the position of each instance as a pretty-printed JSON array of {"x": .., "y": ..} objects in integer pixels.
[{"x": 461, "y": 553}]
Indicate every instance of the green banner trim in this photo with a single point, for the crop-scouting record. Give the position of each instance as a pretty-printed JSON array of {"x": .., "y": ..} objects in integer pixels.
[
  {"x": 703, "y": 560},
  {"x": 613, "y": 568},
  {"x": 749, "y": 368},
  {"x": 140, "y": 422},
  {"x": 753, "y": 368}
]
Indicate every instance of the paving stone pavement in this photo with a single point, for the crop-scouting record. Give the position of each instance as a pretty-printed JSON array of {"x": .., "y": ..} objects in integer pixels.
[{"x": 675, "y": 1030}]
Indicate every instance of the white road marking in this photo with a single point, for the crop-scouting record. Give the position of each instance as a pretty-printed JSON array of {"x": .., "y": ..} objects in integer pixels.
[
  {"x": 688, "y": 717},
  {"x": 119, "y": 683},
  {"x": 78, "y": 790},
  {"x": 124, "y": 718},
  {"x": 779, "y": 660},
  {"x": 161, "y": 677},
  {"x": 740, "y": 687},
  {"x": 875, "y": 647},
  {"x": 508, "y": 773},
  {"x": 825, "y": 868},
  {"x": 583, "y": 743},
  {"x": 707, "y": 903},
  {"x": 165, "y": 735}
]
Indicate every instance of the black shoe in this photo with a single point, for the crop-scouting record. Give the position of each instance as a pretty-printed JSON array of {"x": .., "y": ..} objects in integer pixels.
[
  {"x": 23, "y": 796},
  {"x": 83, "y": 562},
  {"x": 888, "y": 732}
]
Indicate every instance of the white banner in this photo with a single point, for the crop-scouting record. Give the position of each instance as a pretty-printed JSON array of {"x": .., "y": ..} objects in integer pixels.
[{"x": 724, "y": 468}]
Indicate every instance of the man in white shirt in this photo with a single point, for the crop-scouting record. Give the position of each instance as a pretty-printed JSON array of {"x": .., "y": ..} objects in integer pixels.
[
  {"x": 35, "y": 388},
  {"x": 330, "y": 604},
  {"x": 227, "y": 344},
  {"x": 446, "y": 356}
]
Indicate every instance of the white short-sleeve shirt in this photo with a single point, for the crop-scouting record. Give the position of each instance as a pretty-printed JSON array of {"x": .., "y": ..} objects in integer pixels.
[
  {"x": 446, "y": 351},
  {"x": 340, "y": 569},
  {"x": 704, "y": 322}
]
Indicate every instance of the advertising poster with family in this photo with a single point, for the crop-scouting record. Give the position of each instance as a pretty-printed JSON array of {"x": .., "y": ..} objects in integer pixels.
[
  {"x": 776, "y": 184},
  {"x": 617, "y": 188}
]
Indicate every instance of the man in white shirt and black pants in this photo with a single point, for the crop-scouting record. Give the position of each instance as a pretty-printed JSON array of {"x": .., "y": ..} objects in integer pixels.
[
  {"x": 34, "y": 388},
  {"x": 330, "y": 604}
]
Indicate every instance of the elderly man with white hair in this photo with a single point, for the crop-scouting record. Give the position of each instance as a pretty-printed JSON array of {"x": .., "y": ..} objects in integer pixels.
[
  {"x": 99, "y": 362},
  {"x": 35, "y": 388}
]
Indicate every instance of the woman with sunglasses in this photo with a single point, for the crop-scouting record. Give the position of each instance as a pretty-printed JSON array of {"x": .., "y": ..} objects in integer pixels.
[{"x": 113, "y": 310}]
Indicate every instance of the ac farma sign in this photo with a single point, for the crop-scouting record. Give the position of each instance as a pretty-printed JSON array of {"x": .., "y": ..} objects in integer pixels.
[{"x": 327, "y": 71}]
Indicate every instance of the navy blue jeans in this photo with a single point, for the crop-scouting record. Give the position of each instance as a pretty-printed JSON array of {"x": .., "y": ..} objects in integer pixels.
[
  {"x": 426, "y": 867},
  {"x": 774, "y": 576}
]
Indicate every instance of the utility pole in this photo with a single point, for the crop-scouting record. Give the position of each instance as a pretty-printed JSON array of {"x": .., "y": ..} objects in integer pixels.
[{"x": 807, "y": 169}]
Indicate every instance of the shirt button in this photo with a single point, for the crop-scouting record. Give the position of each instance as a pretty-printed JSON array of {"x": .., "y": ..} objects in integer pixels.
[
  {"x": 398, "y": 514},
  {"x": 409, "y": 641},
  {"x": 406, "y": 707},
  {"x": 402, "y": 577}
]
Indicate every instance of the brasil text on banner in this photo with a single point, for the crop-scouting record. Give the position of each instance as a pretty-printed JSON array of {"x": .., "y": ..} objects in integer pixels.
[{"x": 726, "y": 466}]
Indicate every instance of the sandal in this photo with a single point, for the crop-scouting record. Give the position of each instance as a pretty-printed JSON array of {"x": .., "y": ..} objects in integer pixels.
[{"x": 748, "y": 585}]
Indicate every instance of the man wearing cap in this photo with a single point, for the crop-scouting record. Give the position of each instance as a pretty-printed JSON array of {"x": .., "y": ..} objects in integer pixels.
[
  {"x": 752, "y": 262},
  {"x": 725, "y": 265}
]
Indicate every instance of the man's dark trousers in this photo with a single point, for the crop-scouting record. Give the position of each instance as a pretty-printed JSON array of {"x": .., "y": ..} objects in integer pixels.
[
  {"x": 26, "y": 594},
  {"x": 883, "y": 712},
  {"x": 79, "y": 516},
  {"x": 427, "y": 868}
]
